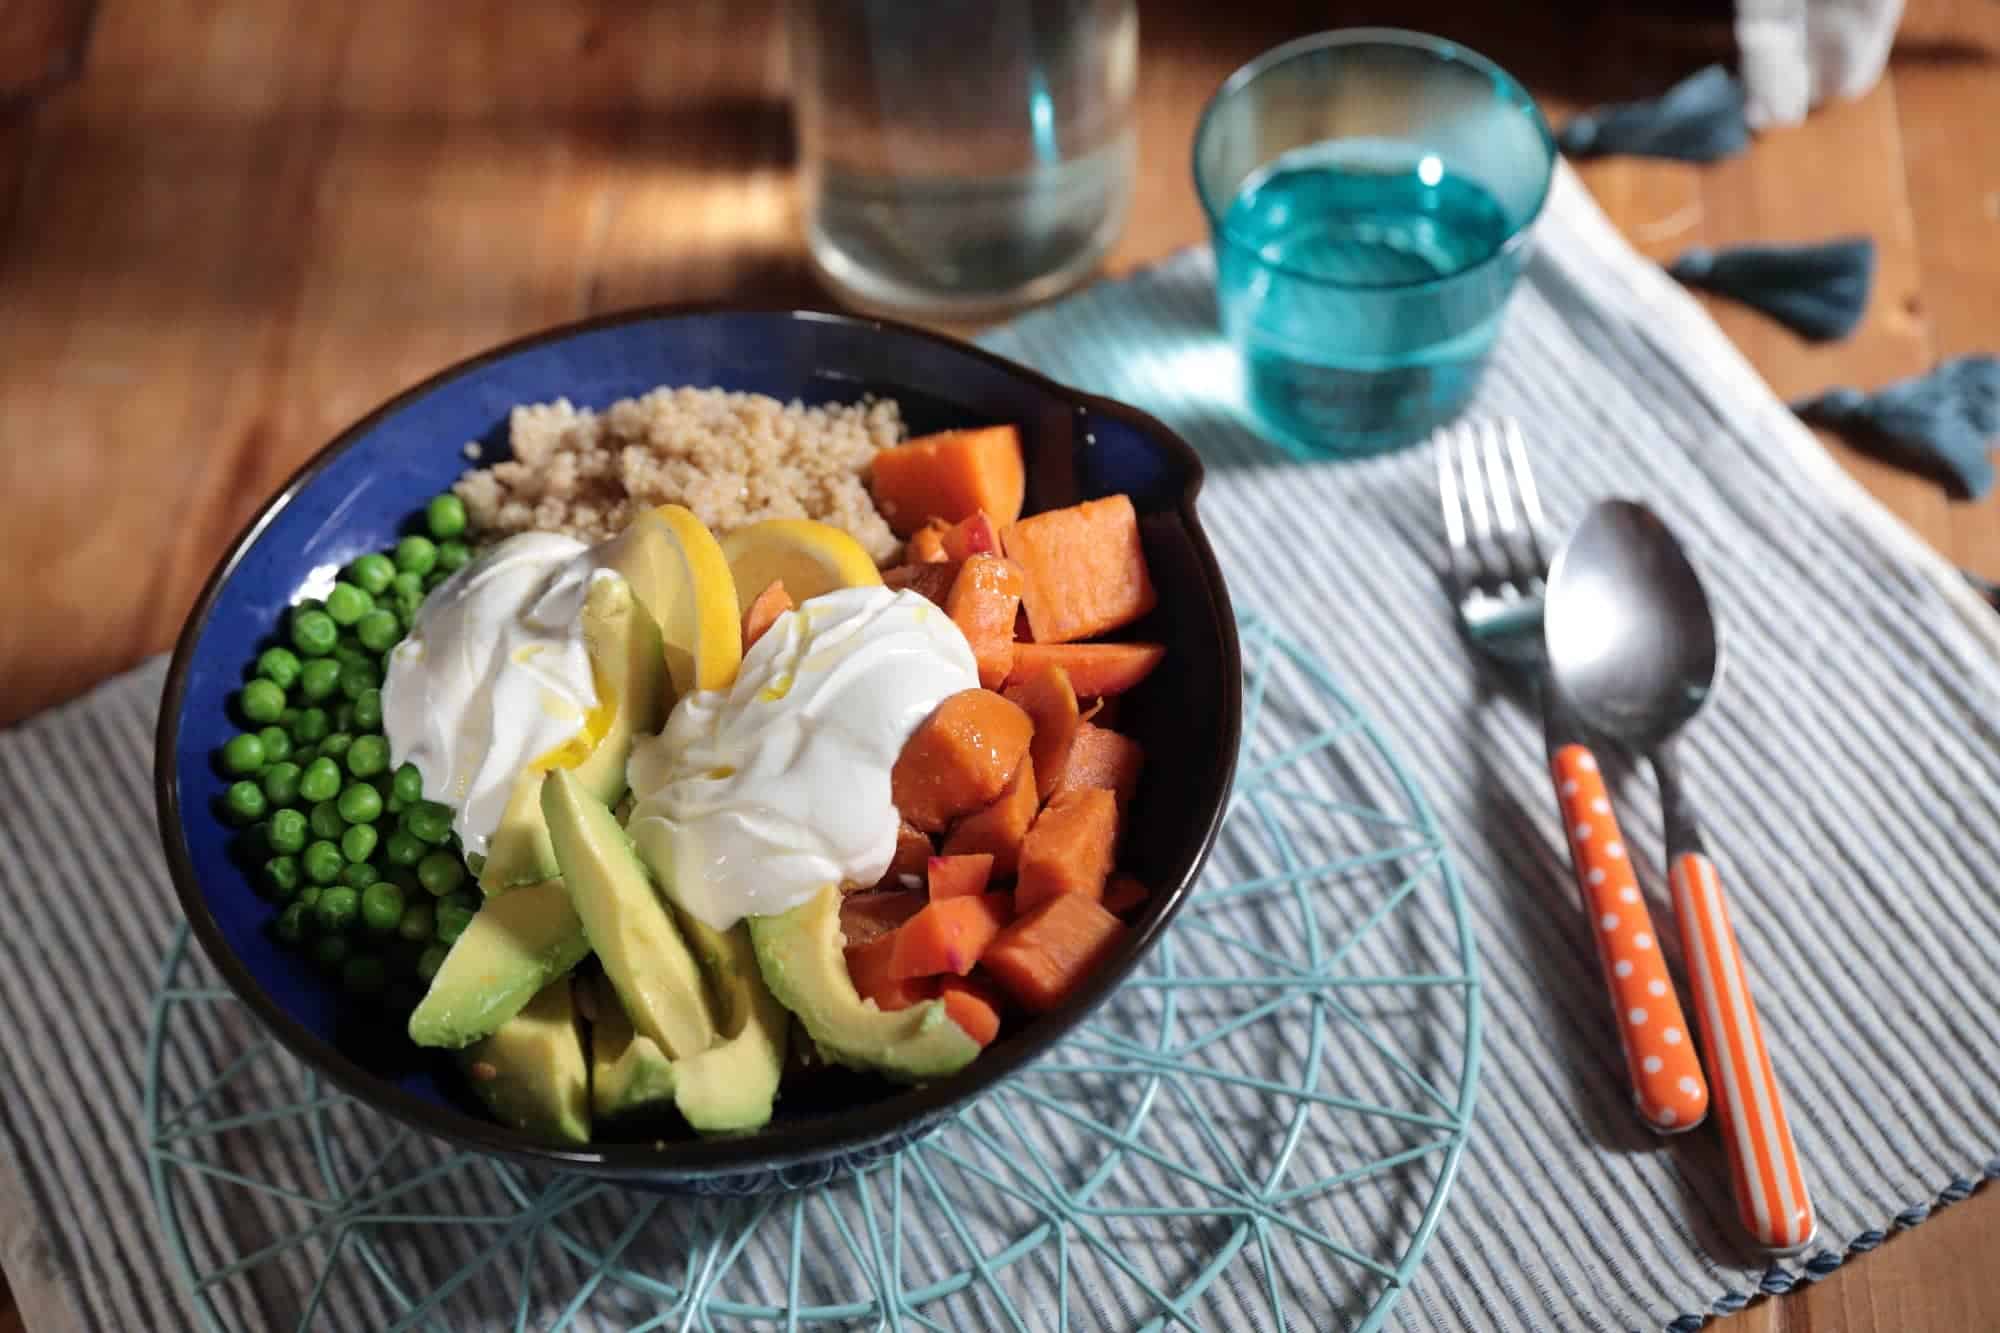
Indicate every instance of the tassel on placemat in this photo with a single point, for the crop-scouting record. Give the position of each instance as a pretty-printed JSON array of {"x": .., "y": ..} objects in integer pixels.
[
  {"x": 1944, "y": 422},
  {"x": 1818, "y": 291},
  {"x": 1699, "y": 119}
]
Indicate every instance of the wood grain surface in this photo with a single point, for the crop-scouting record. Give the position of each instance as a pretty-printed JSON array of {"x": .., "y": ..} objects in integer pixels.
[{"x": 245, "y": 222}]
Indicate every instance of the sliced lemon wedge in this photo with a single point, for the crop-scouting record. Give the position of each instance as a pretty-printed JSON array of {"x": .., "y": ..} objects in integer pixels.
[
  {"x": 680, "y": 575},
  {"x": 810, "y": 558}
]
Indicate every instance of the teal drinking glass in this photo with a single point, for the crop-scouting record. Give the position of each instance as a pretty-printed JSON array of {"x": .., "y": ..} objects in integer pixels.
[{"x": 1370, "y": 194}]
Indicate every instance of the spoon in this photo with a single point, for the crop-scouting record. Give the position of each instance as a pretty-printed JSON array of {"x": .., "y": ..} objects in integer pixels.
[{"x": 1632, "y": 647}]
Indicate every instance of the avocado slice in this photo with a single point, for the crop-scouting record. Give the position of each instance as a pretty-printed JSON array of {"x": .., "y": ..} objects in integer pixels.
[
  {"x": 630, "y": 1076},
  {"x": 800, "y": 954},
  {"x": 631, "y": 670},
  {"x": 531, "y": 1073},
  {"x": 728, "y": 1088},
  {"x": 626, "y": 920},
  {"x": 731, "y": 1085},
  {"x": 517, "y": 943}
]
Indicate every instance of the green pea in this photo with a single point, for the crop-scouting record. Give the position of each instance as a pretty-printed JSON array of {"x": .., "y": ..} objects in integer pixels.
[
  {"x": 452, "y": 919},
  {"x": 364, "y": 974},
  {"x": 330, "y": 951},
  {"x": 430, "y": 821},
  {"x": 334, "y": 747},
  {"x": 288, "y": 831},
  {"x": 418, "y": 923},
  {"x": 403, "y": 848},
  {"x": 313, "y": 631},
  {"x": 360, "y": 874},
  {"x": 326, "y": 822},
  {"x": 416, "y": 555},
  {"x": 360, "y": 804},
  {"x": 444, "y": 516},
  {"x": 453, "y": 556},
  {"x": 277, "y": 745},
  {"x": 368, "y": 756},
  {"x": 371, "y": 573},
  {"x": 322, "y": 862},
  {"x": 319, "y": 678},
  {"x": 311, "y": 727},
  {"x": 278, "y": 665},
  {"x": 358, "y": 842},
  {"x": 291, "y": 923},
  {"x": 409, "y": 784},
  {"x": 368, "y": 711},
  {"x": 347, "y": 603},
  {"x": 281, "y": 783},
  {"x": 357, "y": 678},
  {"x": 260, "y": 701},
  {"x": 343, "y": 718},
  {"x": 432, "y": 579},
  {"x": 321, "y": 780},
  {"x": 382, "y": 906},
  {"x": 429, "y": 961},
  {"x": 288, "y": 720},
  {"x": 338, "y": 907},
  {"x": 440, "y": 873},
  {"x": 309, "y": 895},
  {"x": 379, "y": 630},
  {"x": 243, "y": 755},
  {"x": 282, "y": 874},
  {"x": 244, "y": 802}
]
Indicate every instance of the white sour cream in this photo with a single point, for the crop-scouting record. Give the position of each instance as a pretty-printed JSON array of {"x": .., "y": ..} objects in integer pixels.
[
  {"x": 756, "y": 798},
  {"x": 494, "y": 676}
]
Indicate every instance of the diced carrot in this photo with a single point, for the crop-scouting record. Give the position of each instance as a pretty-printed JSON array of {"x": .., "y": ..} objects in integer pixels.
[
  {"x": 972, "y": 536},
  {"x": 974, "y": 1004},
  {"x": 932, "y": 580},
  {"x": 906, "y": 868},
  {"x": 1084, "y": 567},
  {"x": 999, "y": 828},
  {"x": 1103, "y": 758},
  {"x": 982, "y": 604},
  {"x": 960, "y": 876},
  {"x": 1095, "y": 669},
  {"x": 959, "y": 758},
  {"x": 951, "y": 475},
  {"x": 771, "y": 603},
  {"x": 1046, "y": 697},
  {"x": 926, "y": 545},
  {"x": 865, "y": 917},
  {"x": 1070, "y": 849},
  {"x": 869, "y": 966},
  {"x": 1043, "y": 956},
  {"x": 948, "y": 936},
  {"x": 1124, "y": 892}
]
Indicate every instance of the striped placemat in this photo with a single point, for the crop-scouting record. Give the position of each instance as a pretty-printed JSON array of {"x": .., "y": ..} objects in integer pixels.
[{"x": 1849, "y": 769}]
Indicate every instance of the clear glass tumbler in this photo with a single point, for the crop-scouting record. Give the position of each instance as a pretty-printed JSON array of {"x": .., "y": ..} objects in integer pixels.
[
  {"x": 1369, "y": 192},
  {"x": 963, "y": 156}
]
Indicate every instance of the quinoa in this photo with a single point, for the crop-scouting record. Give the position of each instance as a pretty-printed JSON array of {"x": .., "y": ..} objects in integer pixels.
[{"x": 732, "y": 458}]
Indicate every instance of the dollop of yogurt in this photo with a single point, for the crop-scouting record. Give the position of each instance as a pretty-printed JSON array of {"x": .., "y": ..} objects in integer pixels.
[
  {"x": 494, "y": 676},
  {"x": 757, "y": 797}
]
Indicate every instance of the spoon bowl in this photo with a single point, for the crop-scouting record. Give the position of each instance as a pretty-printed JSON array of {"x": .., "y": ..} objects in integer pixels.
[{"x": 1631, "y": 639}]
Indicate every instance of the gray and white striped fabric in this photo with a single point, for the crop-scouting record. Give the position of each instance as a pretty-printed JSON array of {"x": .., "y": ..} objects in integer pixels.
[{"x": 1849, "y": 767}]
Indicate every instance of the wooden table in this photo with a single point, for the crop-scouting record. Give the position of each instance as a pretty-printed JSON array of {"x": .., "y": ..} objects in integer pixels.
[{"x": 247, "y": 223}]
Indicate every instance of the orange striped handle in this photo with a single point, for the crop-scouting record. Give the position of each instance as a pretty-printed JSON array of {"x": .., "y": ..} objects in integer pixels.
[
  {"x": 1764, "y": 1165},
  {"x": 1666, "y": 1073}
]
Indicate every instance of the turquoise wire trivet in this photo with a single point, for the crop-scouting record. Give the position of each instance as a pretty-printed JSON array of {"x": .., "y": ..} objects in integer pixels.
[{"x": 1259, "y": 1130}]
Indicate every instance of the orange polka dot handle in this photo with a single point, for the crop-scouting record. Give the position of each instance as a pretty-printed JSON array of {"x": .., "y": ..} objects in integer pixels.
[
  {"x": 1667, "y": 1082},
  {"x": 1769, "y": 1183}
]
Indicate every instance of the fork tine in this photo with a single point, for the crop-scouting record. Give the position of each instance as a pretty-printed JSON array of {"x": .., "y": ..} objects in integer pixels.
[
  {"x": 1531, "y": 500},
  {"x": 1496, "y": 477},
  {"x": 1454, "y": 515},
  {"x": 1475, "y": 487}
]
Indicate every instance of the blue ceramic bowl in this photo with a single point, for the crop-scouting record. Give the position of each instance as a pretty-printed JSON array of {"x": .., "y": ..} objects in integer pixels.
[{"x": 364, "y": 487}]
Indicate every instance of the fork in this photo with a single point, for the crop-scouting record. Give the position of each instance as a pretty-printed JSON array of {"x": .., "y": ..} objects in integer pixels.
[{"x": 1499, "y": 568}]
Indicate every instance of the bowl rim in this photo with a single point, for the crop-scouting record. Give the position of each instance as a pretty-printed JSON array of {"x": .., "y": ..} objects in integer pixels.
[{"x": 839, "y": 1133}]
